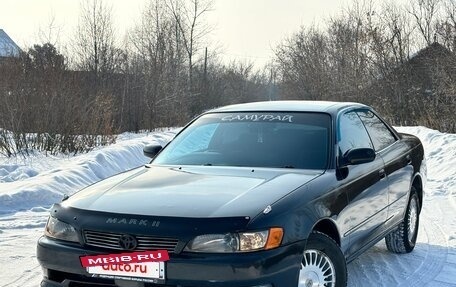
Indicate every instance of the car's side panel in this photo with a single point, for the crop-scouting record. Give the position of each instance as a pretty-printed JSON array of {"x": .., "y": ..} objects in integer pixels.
[
  {"x": 365, "y": 184},
  {"x": 418, "y": 159},
  {"x": 398, "y": 160},
  {"x": 357, "y": 203},
  {"x": 300, "y": 210},
  {"x": 367, "y": 194}
]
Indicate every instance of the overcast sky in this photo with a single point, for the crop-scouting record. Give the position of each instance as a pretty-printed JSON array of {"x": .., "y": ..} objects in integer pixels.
[{"x": 244, "y": 29}]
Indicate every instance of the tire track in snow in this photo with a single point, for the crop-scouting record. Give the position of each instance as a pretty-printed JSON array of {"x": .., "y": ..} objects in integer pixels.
[
  {"x": 427, "y": 265},
  {"x": 441, "y": 213},
  {"x": 28, "y": 278},
  {"x": 435, "y": 255},
  {"x": 18, "y": 249}
]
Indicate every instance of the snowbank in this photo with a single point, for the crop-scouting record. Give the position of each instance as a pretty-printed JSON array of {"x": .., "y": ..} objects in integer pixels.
[
  {"x": 40, "y": 181},
  {"x": 440, "y": 151}
]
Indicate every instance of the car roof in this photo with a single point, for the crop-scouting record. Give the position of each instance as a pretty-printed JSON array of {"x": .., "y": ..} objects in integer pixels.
[{"x": 289, "y": 106}]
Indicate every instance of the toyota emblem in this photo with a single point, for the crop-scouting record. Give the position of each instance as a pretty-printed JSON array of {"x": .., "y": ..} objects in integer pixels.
[{"x": 128, "y": 242}]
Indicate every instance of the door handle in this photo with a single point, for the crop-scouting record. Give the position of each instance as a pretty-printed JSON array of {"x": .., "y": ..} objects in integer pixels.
[
  {"x": 382, "y": 173},
  {"x": 409, "y": 159}
]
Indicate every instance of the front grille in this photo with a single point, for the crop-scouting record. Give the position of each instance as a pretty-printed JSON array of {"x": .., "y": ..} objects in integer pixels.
[{"x": 111, "y": 241}]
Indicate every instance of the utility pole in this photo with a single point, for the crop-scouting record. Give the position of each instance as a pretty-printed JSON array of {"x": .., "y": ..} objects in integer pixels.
[{"x": 205, "y": 64}]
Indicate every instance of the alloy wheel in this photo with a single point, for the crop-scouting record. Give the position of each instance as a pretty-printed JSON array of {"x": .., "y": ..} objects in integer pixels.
[
  {"x": 317, "y": 270},
  {"x": 412, "y": 218}
]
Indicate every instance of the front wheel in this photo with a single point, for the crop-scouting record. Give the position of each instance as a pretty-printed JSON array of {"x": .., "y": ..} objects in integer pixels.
[
  {"x": 403, "y": 238},
  {"x": 323, "y": 264}
]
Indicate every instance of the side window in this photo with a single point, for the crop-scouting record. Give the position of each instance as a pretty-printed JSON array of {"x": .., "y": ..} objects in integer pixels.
[
  {"x": 379, "y": 133},
  {"x": 352, "y": 133}
]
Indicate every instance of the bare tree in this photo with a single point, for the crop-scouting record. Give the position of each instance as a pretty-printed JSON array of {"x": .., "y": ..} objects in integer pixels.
[
  {"x": 446, "y": 27},
  {"x": 397, "y": 31},
  {"x": 159, "y": 57},
  {"x": 303, "y": 65},
  {"x": 328, "y": 64},
  {"x": 425, "y": 13},
  {"x": 188, "y": 16},
  {"x": 94, "y": 42},
  {"x": 51, "y": 32},
  {"x": 349, "y": 46}
]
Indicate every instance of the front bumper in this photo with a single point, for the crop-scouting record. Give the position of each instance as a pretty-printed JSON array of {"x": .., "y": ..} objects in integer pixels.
[{"x": 278, "y": 267}]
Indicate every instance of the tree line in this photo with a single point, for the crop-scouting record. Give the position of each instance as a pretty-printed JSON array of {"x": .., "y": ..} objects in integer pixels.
[
  {"x": 162, "y": 74},
  {"x": 400, "y": 59}
]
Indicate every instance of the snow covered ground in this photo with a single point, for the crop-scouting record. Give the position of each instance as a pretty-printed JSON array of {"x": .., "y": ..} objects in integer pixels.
[{"x": 29, "y": 186}]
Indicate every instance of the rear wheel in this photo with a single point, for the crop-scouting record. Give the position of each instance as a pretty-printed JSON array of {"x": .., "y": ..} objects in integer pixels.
[
  {"x": 403, "y": 238},
  {"x": 323, "y": 264}
]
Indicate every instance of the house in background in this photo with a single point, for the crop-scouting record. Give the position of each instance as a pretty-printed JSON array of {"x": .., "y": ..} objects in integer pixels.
[
  {"x": 429, "y": 71},
  {"x": 420, "y": 91},
  {"x": 7, "y": 46}
]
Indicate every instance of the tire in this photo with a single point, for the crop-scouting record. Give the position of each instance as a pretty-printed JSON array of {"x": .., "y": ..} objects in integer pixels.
[
  {"x": 323, "y": 263},
  {"x": 403, "y": 238}
]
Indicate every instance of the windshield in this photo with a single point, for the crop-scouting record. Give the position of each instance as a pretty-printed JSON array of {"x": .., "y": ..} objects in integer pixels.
[{"x": 279, "y": 140}]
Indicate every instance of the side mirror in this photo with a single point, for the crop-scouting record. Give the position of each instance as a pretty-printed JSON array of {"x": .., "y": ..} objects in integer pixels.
[
  {"x": 359, "y": 156},
  {"x": 152, "y": 150}
]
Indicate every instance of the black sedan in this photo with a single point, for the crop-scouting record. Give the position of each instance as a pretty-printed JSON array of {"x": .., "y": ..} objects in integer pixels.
[{"x": 268, "y": 194}]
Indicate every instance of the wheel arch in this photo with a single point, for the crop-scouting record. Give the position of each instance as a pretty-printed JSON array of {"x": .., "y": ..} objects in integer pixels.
[
  {"x": 417, "y": 183},
  {"x": 328, "y": 227}
]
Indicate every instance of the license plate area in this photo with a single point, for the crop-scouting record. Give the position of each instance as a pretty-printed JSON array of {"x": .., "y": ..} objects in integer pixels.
[{"x": 151, "y": 272}]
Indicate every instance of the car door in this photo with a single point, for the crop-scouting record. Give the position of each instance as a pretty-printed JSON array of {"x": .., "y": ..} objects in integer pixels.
[
  {"x": 364, "y": 184},
  {"x": 398, "y": 168}
]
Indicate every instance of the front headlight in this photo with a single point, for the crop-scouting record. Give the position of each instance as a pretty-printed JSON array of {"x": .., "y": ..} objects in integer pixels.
[
  {"x": 60, "y": 230},
  {"x": 236, "y": 242}
]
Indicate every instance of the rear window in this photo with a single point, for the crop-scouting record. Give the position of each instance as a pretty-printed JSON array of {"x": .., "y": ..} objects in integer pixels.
[{"x": 276, "y": 140}]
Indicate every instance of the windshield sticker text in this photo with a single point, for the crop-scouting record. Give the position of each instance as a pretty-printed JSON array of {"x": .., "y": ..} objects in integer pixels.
[{"x": 259, "y": 118}]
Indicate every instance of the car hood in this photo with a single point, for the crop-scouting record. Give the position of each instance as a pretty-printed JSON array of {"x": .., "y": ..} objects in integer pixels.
[{"x": 191, "y": 191}]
